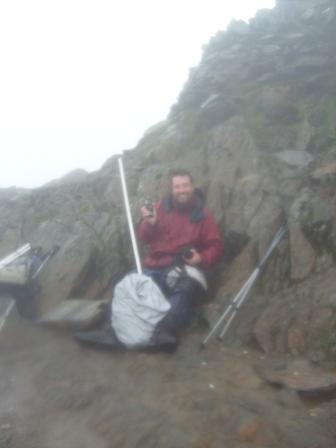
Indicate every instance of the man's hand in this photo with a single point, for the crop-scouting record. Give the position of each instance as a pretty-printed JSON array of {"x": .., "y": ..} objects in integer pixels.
[
  {"x": 148, "y": 215},
  {"x": 195, "y": 258}
]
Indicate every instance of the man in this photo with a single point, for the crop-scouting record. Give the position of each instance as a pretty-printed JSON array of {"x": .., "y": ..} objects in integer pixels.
[{"x": 179, "y": 229}]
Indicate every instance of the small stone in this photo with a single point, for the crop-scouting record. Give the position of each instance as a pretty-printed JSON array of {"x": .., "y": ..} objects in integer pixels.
[
  {"x": 212, "y": 386},
  {"x": 295, "y": 158}
]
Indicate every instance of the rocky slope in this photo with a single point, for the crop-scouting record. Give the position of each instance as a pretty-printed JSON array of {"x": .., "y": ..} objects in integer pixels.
[{"x": 256, "y": 124}]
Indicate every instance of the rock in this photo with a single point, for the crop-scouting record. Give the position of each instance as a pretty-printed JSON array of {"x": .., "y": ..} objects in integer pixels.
[
  {"x": 299, "y": 375},
  {"x": 305, "y": 135},
  {"x": 295, "y": 158},
  {"x": 12, "y": 193},
  {"x": 75, "y": 314},
  {"x": 297, "y": 320},
  {"x": 270, "y": 329},
  {"x": 303, "y": 257},
  {"x": 211, "y": 100},
  {"x": 74, "y": 176},
  {"x": 162, "y": 143},
  {"x": 239, "y": 271},
  {"x": 273, "y": 99},
  {"x": 310, "y": 232},
  {"x": 239, "y": 27},
  {"x": 216, "y": 110},
  {"x": 325, "y": 173},
  {"x": 316, "y": 220}
]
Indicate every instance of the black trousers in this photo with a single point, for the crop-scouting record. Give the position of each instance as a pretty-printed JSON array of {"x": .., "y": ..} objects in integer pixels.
[{"x": 184, "y": 299}]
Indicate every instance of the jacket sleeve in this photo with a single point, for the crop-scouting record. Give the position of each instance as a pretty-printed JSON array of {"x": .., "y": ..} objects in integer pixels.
[
  {"x": 212, "y": 246},
  {"x": 146, "y": 231}
]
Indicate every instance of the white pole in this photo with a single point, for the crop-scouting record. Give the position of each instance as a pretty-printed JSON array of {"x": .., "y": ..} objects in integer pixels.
[
  {"x": 129, "y": 217},
  {"x": 4, "y": 262},
  {"x": 3, "y": 318},
  {"x": 14, "y": 255}
]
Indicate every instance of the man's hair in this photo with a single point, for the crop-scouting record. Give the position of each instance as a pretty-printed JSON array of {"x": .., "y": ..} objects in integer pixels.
[{"x": 180, "y": 173}]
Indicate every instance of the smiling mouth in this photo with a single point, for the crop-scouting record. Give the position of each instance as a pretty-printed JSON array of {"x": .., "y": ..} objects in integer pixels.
[{"x": 183, "y": 196}]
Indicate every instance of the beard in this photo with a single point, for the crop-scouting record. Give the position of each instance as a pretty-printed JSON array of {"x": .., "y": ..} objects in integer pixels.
[{"x": 183, "y": 200}]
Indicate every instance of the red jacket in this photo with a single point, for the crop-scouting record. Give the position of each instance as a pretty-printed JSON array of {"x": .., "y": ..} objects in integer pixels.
[{"x": 175, "y": 228}]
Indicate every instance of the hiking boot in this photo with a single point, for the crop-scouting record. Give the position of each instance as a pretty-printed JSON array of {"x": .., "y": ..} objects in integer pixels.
[
  {"x": 162, "y": 341},
  {"x": 104, "y": 338}
]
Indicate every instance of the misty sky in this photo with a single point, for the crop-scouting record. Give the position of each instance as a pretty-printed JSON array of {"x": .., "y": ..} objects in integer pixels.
[{"x": 81, "y": 80}]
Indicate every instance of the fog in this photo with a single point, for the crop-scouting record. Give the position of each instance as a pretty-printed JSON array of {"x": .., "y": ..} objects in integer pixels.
[{"x": 82, "y": 80}]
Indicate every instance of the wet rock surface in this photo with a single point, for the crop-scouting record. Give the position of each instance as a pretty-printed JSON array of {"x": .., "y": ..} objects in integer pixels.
[
  {"x": 299, "y": 375},
  {"x": 56, "y": 394}
]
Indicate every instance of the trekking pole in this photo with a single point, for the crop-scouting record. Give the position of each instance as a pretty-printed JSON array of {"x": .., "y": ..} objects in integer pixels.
[
  {"x": 22, "y": 251},
  {"x": 226, "y": 312},
  {"x": 234, "y": 307},
  {"x": 6, "y": 313},
  {"x": 46, "y": 258},
  {"x": 242, "y": 294},
  {"x": 129, "y": 217},
  {"x": 4, "y": 262},
  {"x": 14, "y": 255}
]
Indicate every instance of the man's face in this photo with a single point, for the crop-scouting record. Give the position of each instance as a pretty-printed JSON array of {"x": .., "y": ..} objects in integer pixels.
[{"x": 182, "y": 189}]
